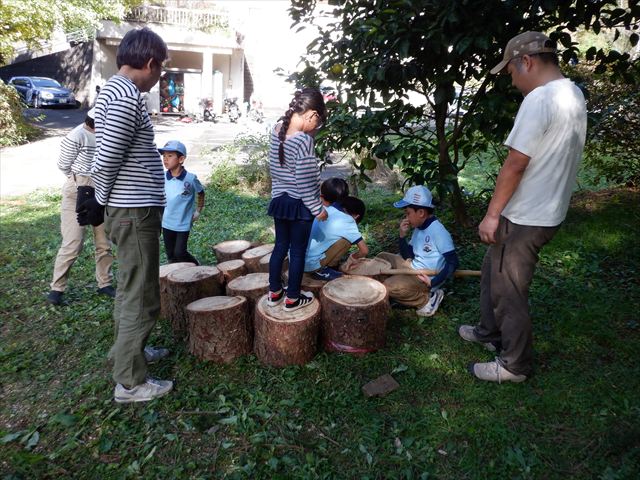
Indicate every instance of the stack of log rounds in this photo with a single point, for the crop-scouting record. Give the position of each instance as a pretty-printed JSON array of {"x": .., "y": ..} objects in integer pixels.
[
  {"x": 354, "y": 314},
  {"x": 232, "y": 269},
  {"x": 263, "y": 264},
  {"x": 252, "y": 256},
  {"x": 369, "y": 267},
  {"x": 252, "y": 286},
  {"x": 219, "y": 328},
  {"x": 231, "y": 249},
  {"x": 188, "y": 285},
  {"x": 165, "y": 270},
  {"x": 286, "y": 338}
]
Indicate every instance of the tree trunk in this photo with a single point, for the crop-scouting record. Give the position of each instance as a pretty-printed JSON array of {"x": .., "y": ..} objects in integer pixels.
[
  {"x": 232, "y": 269},
  {"x": 188, "y": 285},
  {"x": 252, "y": 287},
  {"x": 264, "y": 264},
  {"x": 218, "y": 328},
  {"x": 165, "y": 270},
  {"x": 286, "y": 338},
  {"x": 252, "y": 256},
  {"x": 231, "y": 249},
  {"x": 354, "y": 315}
]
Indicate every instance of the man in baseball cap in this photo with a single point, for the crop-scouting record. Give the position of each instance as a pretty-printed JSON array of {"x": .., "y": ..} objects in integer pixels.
[{"x": 530, "y": 201}]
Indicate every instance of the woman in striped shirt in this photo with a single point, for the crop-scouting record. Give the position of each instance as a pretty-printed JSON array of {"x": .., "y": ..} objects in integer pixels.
[{"x": 295, "y": 194}]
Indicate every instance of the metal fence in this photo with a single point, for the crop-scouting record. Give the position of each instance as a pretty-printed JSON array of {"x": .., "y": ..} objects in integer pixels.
[{"x": 196, "y": 19}]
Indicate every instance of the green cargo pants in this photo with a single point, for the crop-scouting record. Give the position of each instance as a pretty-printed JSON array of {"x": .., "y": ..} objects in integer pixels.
[{"x": 136, "y": 233}]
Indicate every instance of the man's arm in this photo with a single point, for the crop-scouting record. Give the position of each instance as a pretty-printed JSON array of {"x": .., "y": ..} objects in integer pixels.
[{"x": 508, "y": 180}]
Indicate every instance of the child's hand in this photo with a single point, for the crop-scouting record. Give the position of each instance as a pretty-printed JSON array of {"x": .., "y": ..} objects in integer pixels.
[
  {"x": 404, "y": 227},
  {"x": 322, "y": 216},
  {"x": 425, "y": 279},
  {"x": 196, "y": 216}
]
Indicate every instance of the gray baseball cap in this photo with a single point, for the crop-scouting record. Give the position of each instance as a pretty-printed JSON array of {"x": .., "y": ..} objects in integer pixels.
[{"x": 527, "y": 43}]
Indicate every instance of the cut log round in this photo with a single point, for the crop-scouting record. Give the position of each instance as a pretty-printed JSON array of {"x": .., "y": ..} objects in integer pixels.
[
  {"x": 263, "y": 264},
  {"x": 252, "y": 287},
  {"x": 312, "y": 285},
  {"x": 354, "y": 314},
  {"x": 231, "y": 249},
  {"x": 188, "y": 285},
  {"x": 219, "y": 328},
  {"x": 369, "y": 267},
  {"x": 165, "y": 270},
  {"x": 232, "y": 269},
  {"x": 252, "y": 256},
  {"x": 286, "y": 338}
]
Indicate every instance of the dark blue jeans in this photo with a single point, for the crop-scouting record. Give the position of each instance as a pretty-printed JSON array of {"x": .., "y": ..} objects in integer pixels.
[{"x": 292, "y": 236}]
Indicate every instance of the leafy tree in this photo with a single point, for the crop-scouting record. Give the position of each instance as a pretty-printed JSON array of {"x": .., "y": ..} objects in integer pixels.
[
  {"x": 440, "y": 51},
  {"x": 33, "y": 21}
]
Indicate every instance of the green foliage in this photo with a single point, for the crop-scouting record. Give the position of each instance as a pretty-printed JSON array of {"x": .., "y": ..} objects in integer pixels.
[
  {"x": 413, "y": 75},
  {"x": 577, "y": 418},
  {"x": 14, "y": 128},
  {"x": 34, "y": 21}
]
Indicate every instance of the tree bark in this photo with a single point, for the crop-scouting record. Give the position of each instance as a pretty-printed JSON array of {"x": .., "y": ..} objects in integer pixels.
[
  {"x": 188, "y": 285},
  {"x": 354, "y": 315},
  {"x": 252, "y": 256},
  {"x": 218, "y": 328},
  {"x": 286, "y": 338},
  {"x": 252, "y": 287},
  {"x": 165, "y": 270},
  {"x": 231, "y": 249}
]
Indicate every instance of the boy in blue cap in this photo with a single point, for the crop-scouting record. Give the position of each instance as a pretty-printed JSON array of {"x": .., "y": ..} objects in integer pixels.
[
  {"x": 431, "y": 248},
  {"x": 181, "y": 188}
]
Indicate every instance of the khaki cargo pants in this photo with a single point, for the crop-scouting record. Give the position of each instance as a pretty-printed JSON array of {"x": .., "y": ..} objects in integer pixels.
[
  {"x": 136, "y": 233},
  {"x": 408, "y": 290}
]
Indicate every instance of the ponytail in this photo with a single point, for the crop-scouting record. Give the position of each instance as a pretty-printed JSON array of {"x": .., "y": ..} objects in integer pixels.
[{"x": 303, "y": 100}]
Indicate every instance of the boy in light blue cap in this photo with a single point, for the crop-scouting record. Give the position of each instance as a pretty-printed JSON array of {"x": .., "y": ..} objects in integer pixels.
[
  {"x": 430, "y": 248},
  {"x": 180, "y": 188}
]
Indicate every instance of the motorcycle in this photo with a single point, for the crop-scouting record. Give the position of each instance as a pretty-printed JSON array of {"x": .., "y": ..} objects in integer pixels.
[
  {"x": 208, "y": 115},
  {"x": 232, "y": 108}
]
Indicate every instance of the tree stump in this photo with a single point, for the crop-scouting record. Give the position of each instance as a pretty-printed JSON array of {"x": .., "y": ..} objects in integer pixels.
[
  {"x": 308, "y": 284},
  {"x": 369, "y": 267},
  {"x": 219, "y": 328},
  {"x": 231, "y": 249},
  {"x": 232, "y": 269},
  {"x": 252, "y": 287},
  {"x": 354, "y": 314},
  {"x": 286, "y": 338},
  {"x": 188, "y": 285},
  {"x": 252, "y": 256},
  {"x": 165, "y": 270},
  {"x": 263, "y": 264}
]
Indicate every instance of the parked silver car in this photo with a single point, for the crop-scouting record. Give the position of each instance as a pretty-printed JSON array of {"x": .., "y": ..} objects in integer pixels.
[{"x": 40, "y": 91}]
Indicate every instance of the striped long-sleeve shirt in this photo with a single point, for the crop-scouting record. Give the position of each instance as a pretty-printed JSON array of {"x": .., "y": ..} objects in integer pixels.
[
  {"x": 299, "y": 176},
  {"x": 76, "y": 151},
  {"x": 127, "y": 169}
]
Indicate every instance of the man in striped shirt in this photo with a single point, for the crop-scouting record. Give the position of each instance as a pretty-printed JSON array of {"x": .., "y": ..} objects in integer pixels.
[
  {"x": 129, "y": 180},
  {"x": 76, "y": 154}
]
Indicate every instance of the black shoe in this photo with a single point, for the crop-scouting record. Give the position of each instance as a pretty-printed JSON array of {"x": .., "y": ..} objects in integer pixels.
[
  {"x": 326, "y": 274},
  {"x": 109, "y": 291},
  {"x": 302, "y": 301},
  {"x": 55, "y": 297}
]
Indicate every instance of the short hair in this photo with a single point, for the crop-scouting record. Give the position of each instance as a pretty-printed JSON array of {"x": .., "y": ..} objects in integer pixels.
[
  {"x": 89, "y": 122},
  {"x": 334, "y": 189},
  {"x": 354, "y": 206},
  {"x": 140, "y": 45},
  {"x": 429, "y": 210}
]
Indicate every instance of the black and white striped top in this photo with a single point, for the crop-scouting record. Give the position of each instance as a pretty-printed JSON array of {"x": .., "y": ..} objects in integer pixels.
[
  {"x": 127, "y": 169},
  {"x": 299, "y": 177},
  {"x": 76, "y": 152}
]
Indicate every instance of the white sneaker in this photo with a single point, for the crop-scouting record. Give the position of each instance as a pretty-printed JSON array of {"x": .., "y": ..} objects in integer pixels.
[
  {"x": 494, "y": 372},
  {"x": 155, "y": 354},
  {"x": 432, "y": 304},
  {"x": 144, "y": 392},
  {"x": 467, "y": 333}
]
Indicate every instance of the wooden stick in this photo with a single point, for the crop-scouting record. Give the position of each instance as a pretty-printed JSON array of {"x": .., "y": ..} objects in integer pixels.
[{"x": 411, "y": 271}]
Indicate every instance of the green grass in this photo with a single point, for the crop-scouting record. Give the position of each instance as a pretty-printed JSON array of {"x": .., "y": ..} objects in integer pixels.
[{"x": 578, "y": 417}]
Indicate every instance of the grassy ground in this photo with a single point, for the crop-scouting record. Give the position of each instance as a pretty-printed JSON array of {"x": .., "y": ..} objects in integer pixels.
[{"x": 578, "y": 417}]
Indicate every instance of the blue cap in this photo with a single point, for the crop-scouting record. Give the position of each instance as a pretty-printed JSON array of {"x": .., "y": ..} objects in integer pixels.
[
  {"x": 418, "y": 195},
  {"x": 174, "y": 146}
]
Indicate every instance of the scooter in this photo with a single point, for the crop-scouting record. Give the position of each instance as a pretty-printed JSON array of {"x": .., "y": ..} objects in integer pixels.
[
  {"x": 233, "y": 110},
  {"x": 208, "y": 115}
]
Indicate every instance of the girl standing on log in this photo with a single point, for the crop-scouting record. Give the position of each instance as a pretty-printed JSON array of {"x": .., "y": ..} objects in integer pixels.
[{"x": 295, "y": 194}]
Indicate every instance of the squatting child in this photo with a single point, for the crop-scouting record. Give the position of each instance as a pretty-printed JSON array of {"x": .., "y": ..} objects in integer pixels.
[
  {"x": 181, "y": 188},
  {"x": 431, "y": 247}
]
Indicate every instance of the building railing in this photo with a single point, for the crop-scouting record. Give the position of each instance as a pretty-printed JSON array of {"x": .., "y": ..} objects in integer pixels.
[{"x": 196, "y": 19}]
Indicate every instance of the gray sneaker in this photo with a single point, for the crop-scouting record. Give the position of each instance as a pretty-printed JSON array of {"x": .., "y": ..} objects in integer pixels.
[
  {"x": 431, "y": 307},
  {"x": 494, "y": 372},
  {"x": 468, "y": 334},
  {"x": 144, "y": 392},
  {"x": 153, "y": 354}
]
